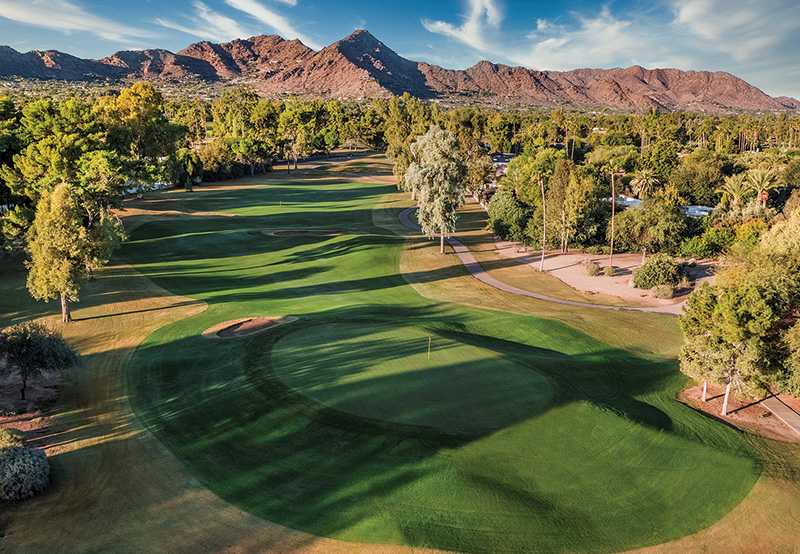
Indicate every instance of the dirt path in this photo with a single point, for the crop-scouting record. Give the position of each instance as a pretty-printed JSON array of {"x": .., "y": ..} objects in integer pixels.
[{"x": 478, "y": 272}]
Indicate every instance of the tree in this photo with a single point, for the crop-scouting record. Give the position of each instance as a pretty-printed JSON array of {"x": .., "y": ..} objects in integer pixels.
[
  {"x": 437, "y": 176},
  {"x": 734, "y": 189},
  {"x": 727, "y": 333},
  {"x": 59, "y": 248},
  {"x": 137, "y": 124},
  {"x": 761, "y": 181},
  {"x": 655, "y": 225},
  {"x": 32, "y": 349},
  {"x": 644, "y": 183}
]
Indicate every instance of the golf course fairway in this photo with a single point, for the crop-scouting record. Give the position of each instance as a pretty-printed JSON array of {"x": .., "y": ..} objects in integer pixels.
[{"x": 523, "y": 432}]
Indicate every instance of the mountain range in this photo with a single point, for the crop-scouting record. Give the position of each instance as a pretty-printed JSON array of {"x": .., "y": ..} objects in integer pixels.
[{"x": 360, "y": 66}]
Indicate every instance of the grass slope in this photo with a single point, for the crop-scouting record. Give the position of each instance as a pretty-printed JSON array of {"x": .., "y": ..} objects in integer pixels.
[{"x": 612, "y": 463}]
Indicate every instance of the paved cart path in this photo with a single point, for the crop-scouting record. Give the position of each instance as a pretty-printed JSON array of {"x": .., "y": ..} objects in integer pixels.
[{"x": 479, "y": 273}]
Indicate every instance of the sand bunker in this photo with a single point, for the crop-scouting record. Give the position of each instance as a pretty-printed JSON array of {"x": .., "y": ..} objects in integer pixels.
[{"x": 244, "y": 326}]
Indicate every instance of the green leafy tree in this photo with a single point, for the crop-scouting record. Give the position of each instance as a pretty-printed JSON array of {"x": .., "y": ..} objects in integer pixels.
[
  {"x": 727, "y": 335},
  {"x": 253, "y": 152},
  {"x": 60, "y": 248},
  {"x": 437, "y": 176},
  {"x": 644, "y": 183},
  {"x": 655, "y": 225},
  {"x": 762, "y": 181},
  {"x": 735, "y": 188},
  {"x": 31, "y": 350}
]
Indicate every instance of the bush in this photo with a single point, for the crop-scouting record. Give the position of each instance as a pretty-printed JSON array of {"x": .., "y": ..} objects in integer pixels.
[
  {"x": 11, "y": 437},
  {"x": 594, "y": 250},
  {"x": 592, "y": 269},
  {"x": 658, "y": 270},
  {"x": 608, "y": 271},
  {"x": 664, "y": 292},
  {"x": 23, "y": 472}
]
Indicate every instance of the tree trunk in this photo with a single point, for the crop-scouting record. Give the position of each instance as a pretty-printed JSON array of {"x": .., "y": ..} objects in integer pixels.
[
  {"x": 288, "y": 165},
  {"x": 252, "y": 170},
  {"x": 644, "y": 253},
  {"x": 727, "y": 393},
  {"x": 441, "y": 242},
  {"x": 66, "y": 316},
  {"x": 413, "y": 194},
  {"x": 613, "y": 211},
  {"x": 24, "y": 386},
  {"x": 544, "y": 222},
  {"x": 705, "y": 391}
]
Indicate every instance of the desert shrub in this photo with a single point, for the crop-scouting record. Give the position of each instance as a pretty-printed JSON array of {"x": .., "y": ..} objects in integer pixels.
[
  {"x": 23, "y": 472},
  {"x": 658, "y": 270},
  {"x": 594, "y": 250},
  {"x": 608, "y": 271},
  {"x": 11, "y": 437},
  {"x": 592, "y": 269},
  {"x": 685, "y": 283},
  {"x": 748, "y": 234},
  {"x": 664, "y": 292}
]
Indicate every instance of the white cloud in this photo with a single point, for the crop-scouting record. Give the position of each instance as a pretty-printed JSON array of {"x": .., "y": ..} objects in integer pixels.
[
  {"x": 754, "y": 41},
  {"x": 483, "y": 16},
  {"x": 208, "y": 24},
  {"x": 745, "y": 31},
  {"x": 60, "y": 15},
  {"x": 597, "y": 41},
  {"x": 275, "y": 21}
]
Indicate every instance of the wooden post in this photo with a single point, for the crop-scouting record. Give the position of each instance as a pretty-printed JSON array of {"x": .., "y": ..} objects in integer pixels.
[
  {"x": 705, "y": 391},
  {"x": 613, "y": 211},
  {"x": 544, "y": 222},
  {"x": 727, "y": 393}
]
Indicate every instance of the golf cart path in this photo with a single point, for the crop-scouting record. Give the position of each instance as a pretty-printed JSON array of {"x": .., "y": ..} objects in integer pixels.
[
  {"x": 782, "y": 412},
  {"x": 479, "y": 273}
]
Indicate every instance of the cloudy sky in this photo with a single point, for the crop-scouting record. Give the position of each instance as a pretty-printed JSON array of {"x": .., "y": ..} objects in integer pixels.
[{"x": 755, "y": 40}]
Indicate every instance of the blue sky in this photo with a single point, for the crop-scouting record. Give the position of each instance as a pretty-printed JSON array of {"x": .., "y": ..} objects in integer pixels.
[{"x": 756, "y": 40}]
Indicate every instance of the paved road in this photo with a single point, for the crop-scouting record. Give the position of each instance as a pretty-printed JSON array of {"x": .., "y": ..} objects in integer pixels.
[{"x": 478, "y": 272}]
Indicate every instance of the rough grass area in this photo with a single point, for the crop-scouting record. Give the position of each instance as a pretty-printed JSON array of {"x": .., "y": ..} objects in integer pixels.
[{"x": 311, "y": 426}]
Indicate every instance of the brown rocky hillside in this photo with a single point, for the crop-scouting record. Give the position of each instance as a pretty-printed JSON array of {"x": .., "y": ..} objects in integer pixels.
[{"x": 361, "y": 66}]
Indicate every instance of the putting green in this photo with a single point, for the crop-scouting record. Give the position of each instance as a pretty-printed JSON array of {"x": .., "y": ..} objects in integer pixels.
[{"x": 379, "y": 372}]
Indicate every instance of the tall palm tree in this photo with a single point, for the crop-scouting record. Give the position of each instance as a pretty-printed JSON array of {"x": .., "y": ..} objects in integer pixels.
[
  {"x": 735, "y": 188},
  {"x": 762, "y": 181},
  {"x": 645, "y": 183}
]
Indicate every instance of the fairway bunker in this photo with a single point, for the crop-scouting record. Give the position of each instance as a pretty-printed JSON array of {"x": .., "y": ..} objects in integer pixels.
[
  {"x": 409, "y": 376},
  {"x": 245, "y": 326}
]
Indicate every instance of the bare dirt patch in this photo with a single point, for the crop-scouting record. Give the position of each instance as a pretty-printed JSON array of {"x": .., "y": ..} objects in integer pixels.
[
  {"x": 570, "y": 269},
  {"x": 744, "y": 414},
  {"x": 245, "y": 326},
  {"x": 31, "y": 416}
]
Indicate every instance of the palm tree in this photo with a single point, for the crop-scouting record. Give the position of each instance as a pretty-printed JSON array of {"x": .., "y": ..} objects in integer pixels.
[
  {"x": 762, "y": 181},
  {"x": 735, "y": 187},
  {"x": 645, "y": 183}
]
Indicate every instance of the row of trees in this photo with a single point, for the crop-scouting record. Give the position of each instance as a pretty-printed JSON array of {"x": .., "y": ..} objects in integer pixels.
[{"x": 66, "y": 167}]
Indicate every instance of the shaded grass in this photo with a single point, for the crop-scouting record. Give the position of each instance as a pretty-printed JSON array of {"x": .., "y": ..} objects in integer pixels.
[{"x": 613, "y": 463}]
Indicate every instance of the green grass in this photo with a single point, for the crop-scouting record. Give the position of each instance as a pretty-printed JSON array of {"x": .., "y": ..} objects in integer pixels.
[
  {"x": 333, "y": 424},
  {"x": 386, "y": 373}
]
